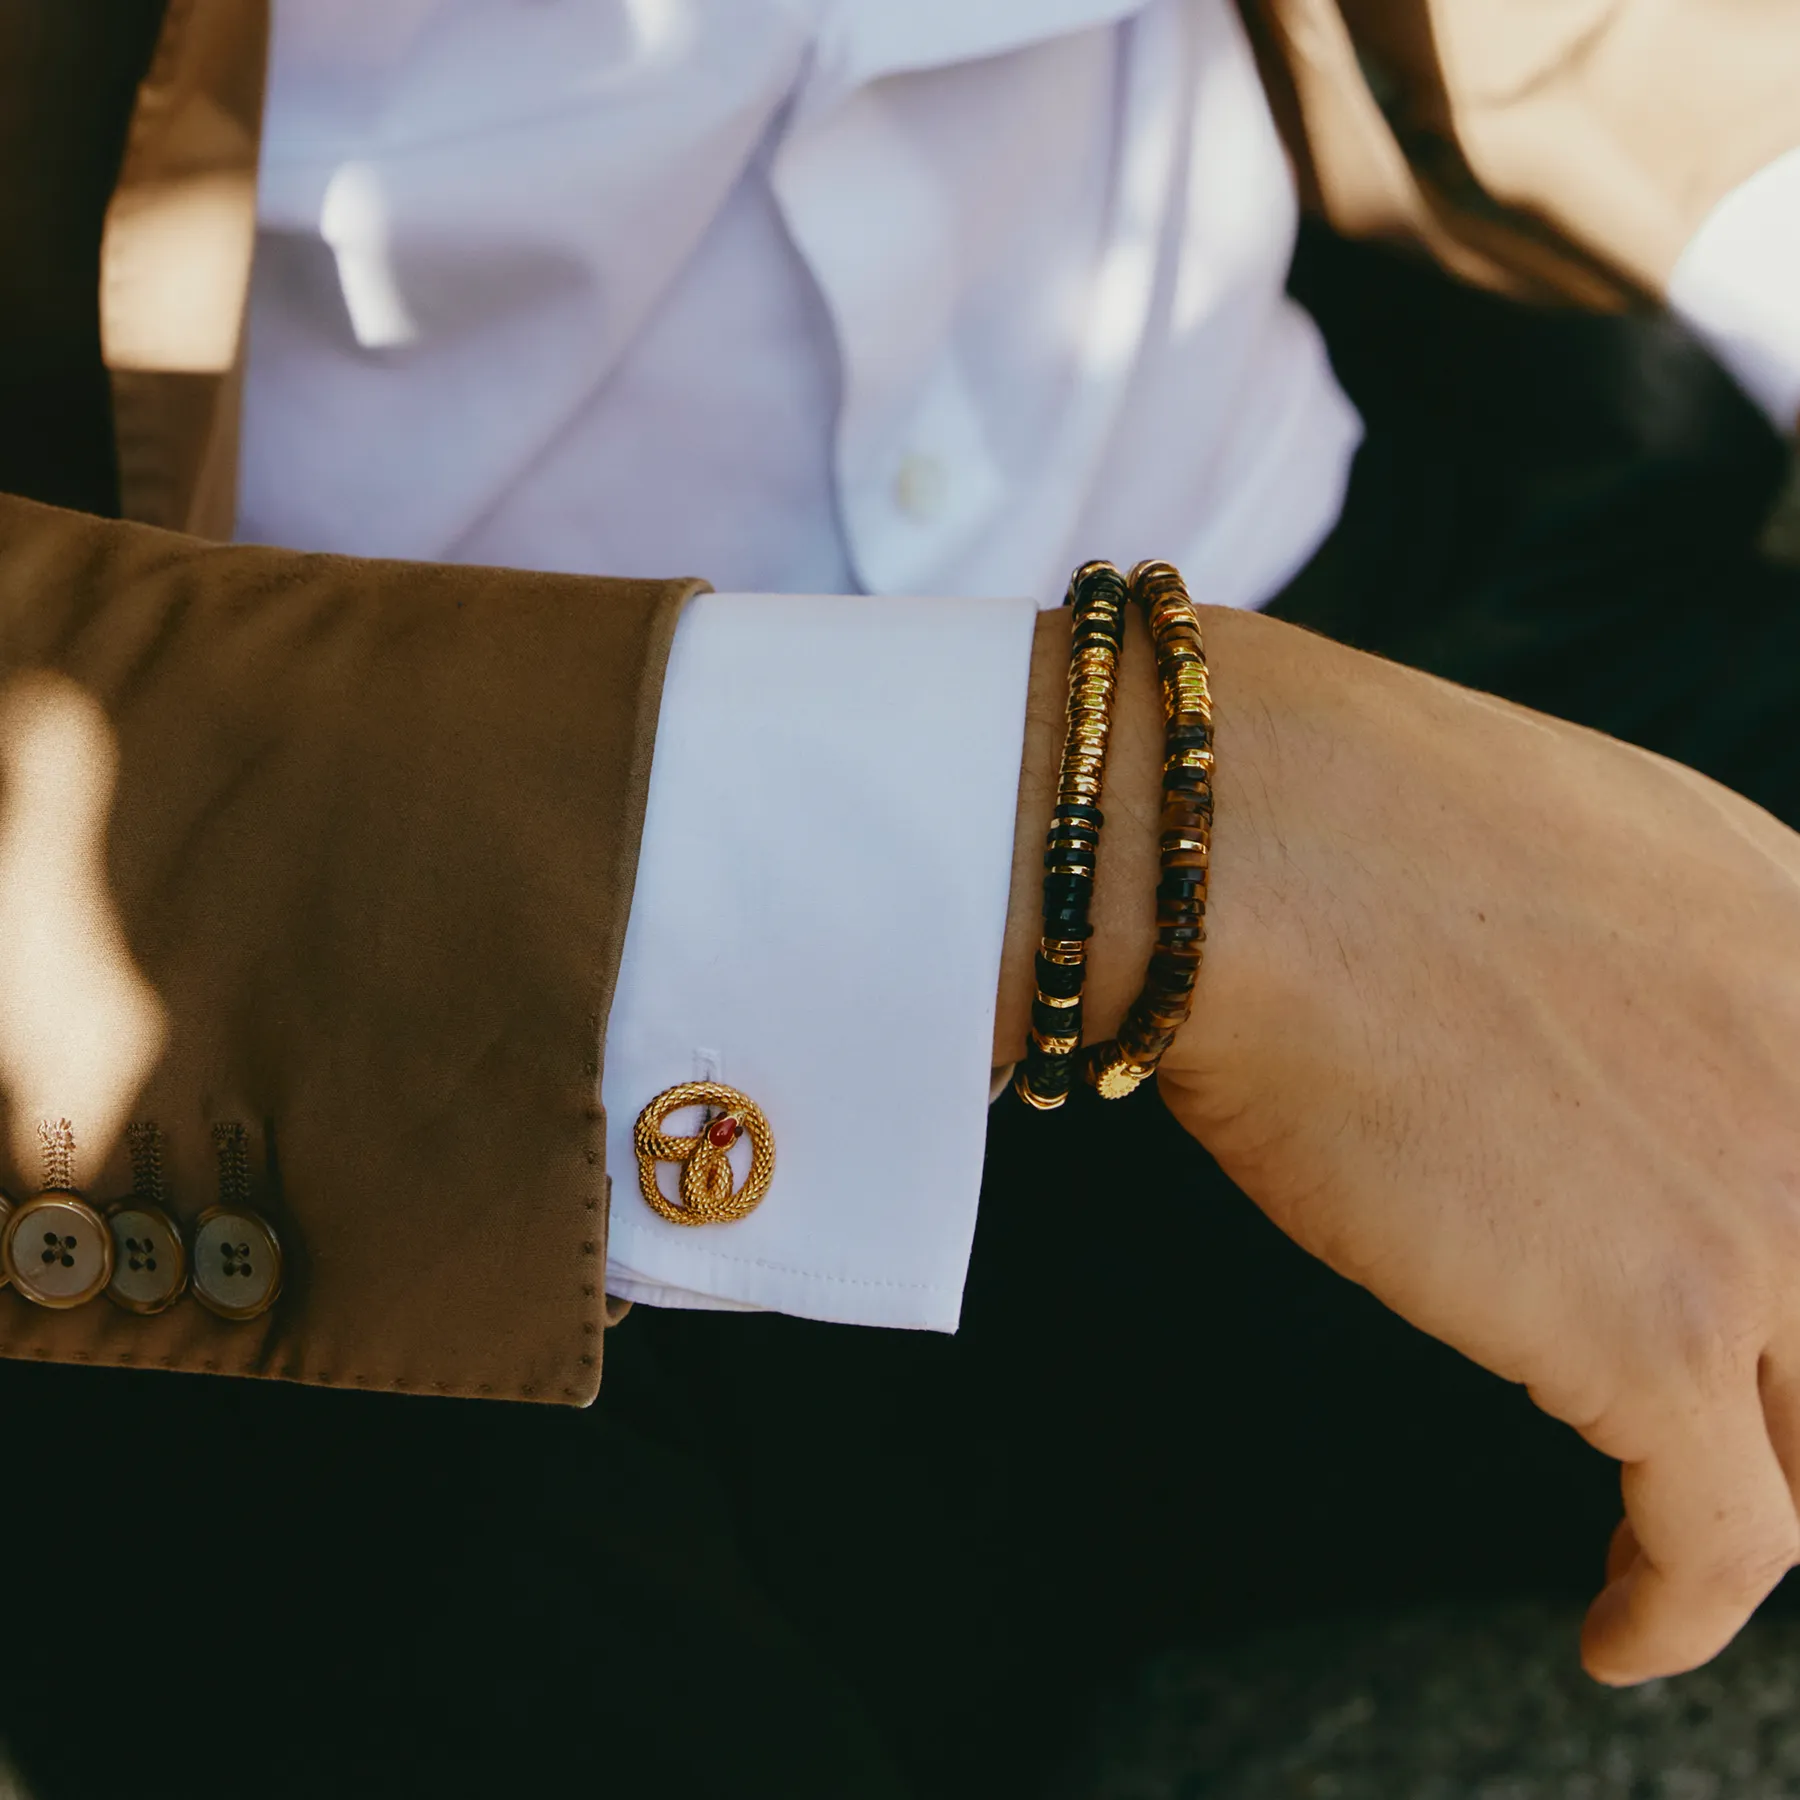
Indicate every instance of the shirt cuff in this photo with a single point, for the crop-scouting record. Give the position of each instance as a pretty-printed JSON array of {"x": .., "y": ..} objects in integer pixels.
[
  {"x": 820, "y": 906},
  {"x": 1738, "y": 285}
]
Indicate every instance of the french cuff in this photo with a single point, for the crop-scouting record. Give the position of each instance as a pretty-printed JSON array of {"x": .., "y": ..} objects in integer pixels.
[
  {"x": 817, "y": 923},
  {"x": 1738, "y": 285}
]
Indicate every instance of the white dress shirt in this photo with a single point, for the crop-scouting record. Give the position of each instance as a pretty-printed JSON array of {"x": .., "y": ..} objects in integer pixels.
[
  {"x": 1738, "y": 285},
  {"x": 815, "y": 298}
]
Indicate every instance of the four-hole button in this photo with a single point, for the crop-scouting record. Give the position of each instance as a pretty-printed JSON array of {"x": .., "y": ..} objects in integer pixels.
[
  {"x": 237, "y": 1262},
  {"x": 149, "y": 1260},
  {"x": 56, "y": 1251}
]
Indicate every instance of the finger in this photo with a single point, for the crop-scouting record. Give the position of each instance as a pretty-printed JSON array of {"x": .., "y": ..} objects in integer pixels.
[
  {"x": 1779, "y": 1381},
  {"x": 1714, "y": 1530},
  {"x": 1622, "y": 1551}
]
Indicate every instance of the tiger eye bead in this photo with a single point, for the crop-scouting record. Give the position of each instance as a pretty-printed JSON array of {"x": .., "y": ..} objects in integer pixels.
[{"x": 1185, "y": 848}]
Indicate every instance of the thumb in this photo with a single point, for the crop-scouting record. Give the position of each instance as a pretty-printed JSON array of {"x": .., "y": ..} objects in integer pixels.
[{"x": 1709, "y": 1529}]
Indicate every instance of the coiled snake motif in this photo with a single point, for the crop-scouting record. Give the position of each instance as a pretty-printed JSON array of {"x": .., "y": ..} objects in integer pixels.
[{"x": 708, "y": 1187}]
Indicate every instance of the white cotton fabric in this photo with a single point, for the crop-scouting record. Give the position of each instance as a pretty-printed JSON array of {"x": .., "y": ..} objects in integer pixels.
[
  {"x": 801, "y": 295},
  {"x": 852, "y": 995},
  {"x": 804, "y": 296},
  {"x": 1738, "y": 285}
]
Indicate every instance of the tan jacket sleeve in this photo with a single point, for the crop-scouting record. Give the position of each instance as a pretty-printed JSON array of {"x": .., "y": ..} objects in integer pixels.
[{"x": 342, "y": 851}]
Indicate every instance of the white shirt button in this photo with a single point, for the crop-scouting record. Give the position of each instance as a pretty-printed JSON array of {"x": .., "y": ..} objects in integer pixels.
[{"x": 921, "y": 486}]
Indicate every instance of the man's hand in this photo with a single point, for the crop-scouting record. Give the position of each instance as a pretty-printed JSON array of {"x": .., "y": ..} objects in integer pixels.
[{"x": 1501, "y": 1019}]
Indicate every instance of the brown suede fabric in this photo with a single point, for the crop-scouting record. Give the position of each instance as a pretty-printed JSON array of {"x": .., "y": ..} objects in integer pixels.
[{"x": 373, "y": 843}]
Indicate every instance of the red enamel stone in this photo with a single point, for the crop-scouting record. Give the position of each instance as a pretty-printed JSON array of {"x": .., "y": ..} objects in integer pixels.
[{"x": 722, "y": 1133}]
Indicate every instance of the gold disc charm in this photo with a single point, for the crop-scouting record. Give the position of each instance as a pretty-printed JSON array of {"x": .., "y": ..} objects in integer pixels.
[{"x": 708, "y": 1188}]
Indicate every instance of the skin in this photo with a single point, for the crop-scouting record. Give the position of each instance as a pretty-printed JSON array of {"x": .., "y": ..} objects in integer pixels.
[
  {"x": 1501, "y": 1019},
  {"x": 1623, "y": 122}
]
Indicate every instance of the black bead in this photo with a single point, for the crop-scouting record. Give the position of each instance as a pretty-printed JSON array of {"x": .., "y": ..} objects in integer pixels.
[{"x": 1067, "y": 890}]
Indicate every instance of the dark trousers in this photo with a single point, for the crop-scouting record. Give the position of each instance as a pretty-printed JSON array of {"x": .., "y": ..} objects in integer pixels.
[{"x": 793, "y": 1559}]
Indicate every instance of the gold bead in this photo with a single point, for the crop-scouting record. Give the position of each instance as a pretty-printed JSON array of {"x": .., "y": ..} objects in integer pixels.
[
  {"x": 1114, "y": 1078},
  {"x": 1032, "y": 1097}
]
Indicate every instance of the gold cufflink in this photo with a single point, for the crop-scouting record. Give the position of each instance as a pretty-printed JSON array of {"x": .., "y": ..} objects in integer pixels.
[{"x": 708, "y": 1185}]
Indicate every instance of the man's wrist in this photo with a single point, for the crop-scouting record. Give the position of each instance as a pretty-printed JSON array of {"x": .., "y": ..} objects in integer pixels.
[{"x": 1268, "y": 682}]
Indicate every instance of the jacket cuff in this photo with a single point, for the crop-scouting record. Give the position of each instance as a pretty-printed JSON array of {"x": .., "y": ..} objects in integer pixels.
[{"x": 368, "y": 839}]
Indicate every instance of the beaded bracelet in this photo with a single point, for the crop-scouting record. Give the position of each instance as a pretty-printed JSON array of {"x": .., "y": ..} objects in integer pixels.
[
  {"x": 1097, "y": 594},
  {"x": 1118, "y": 1068}
]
